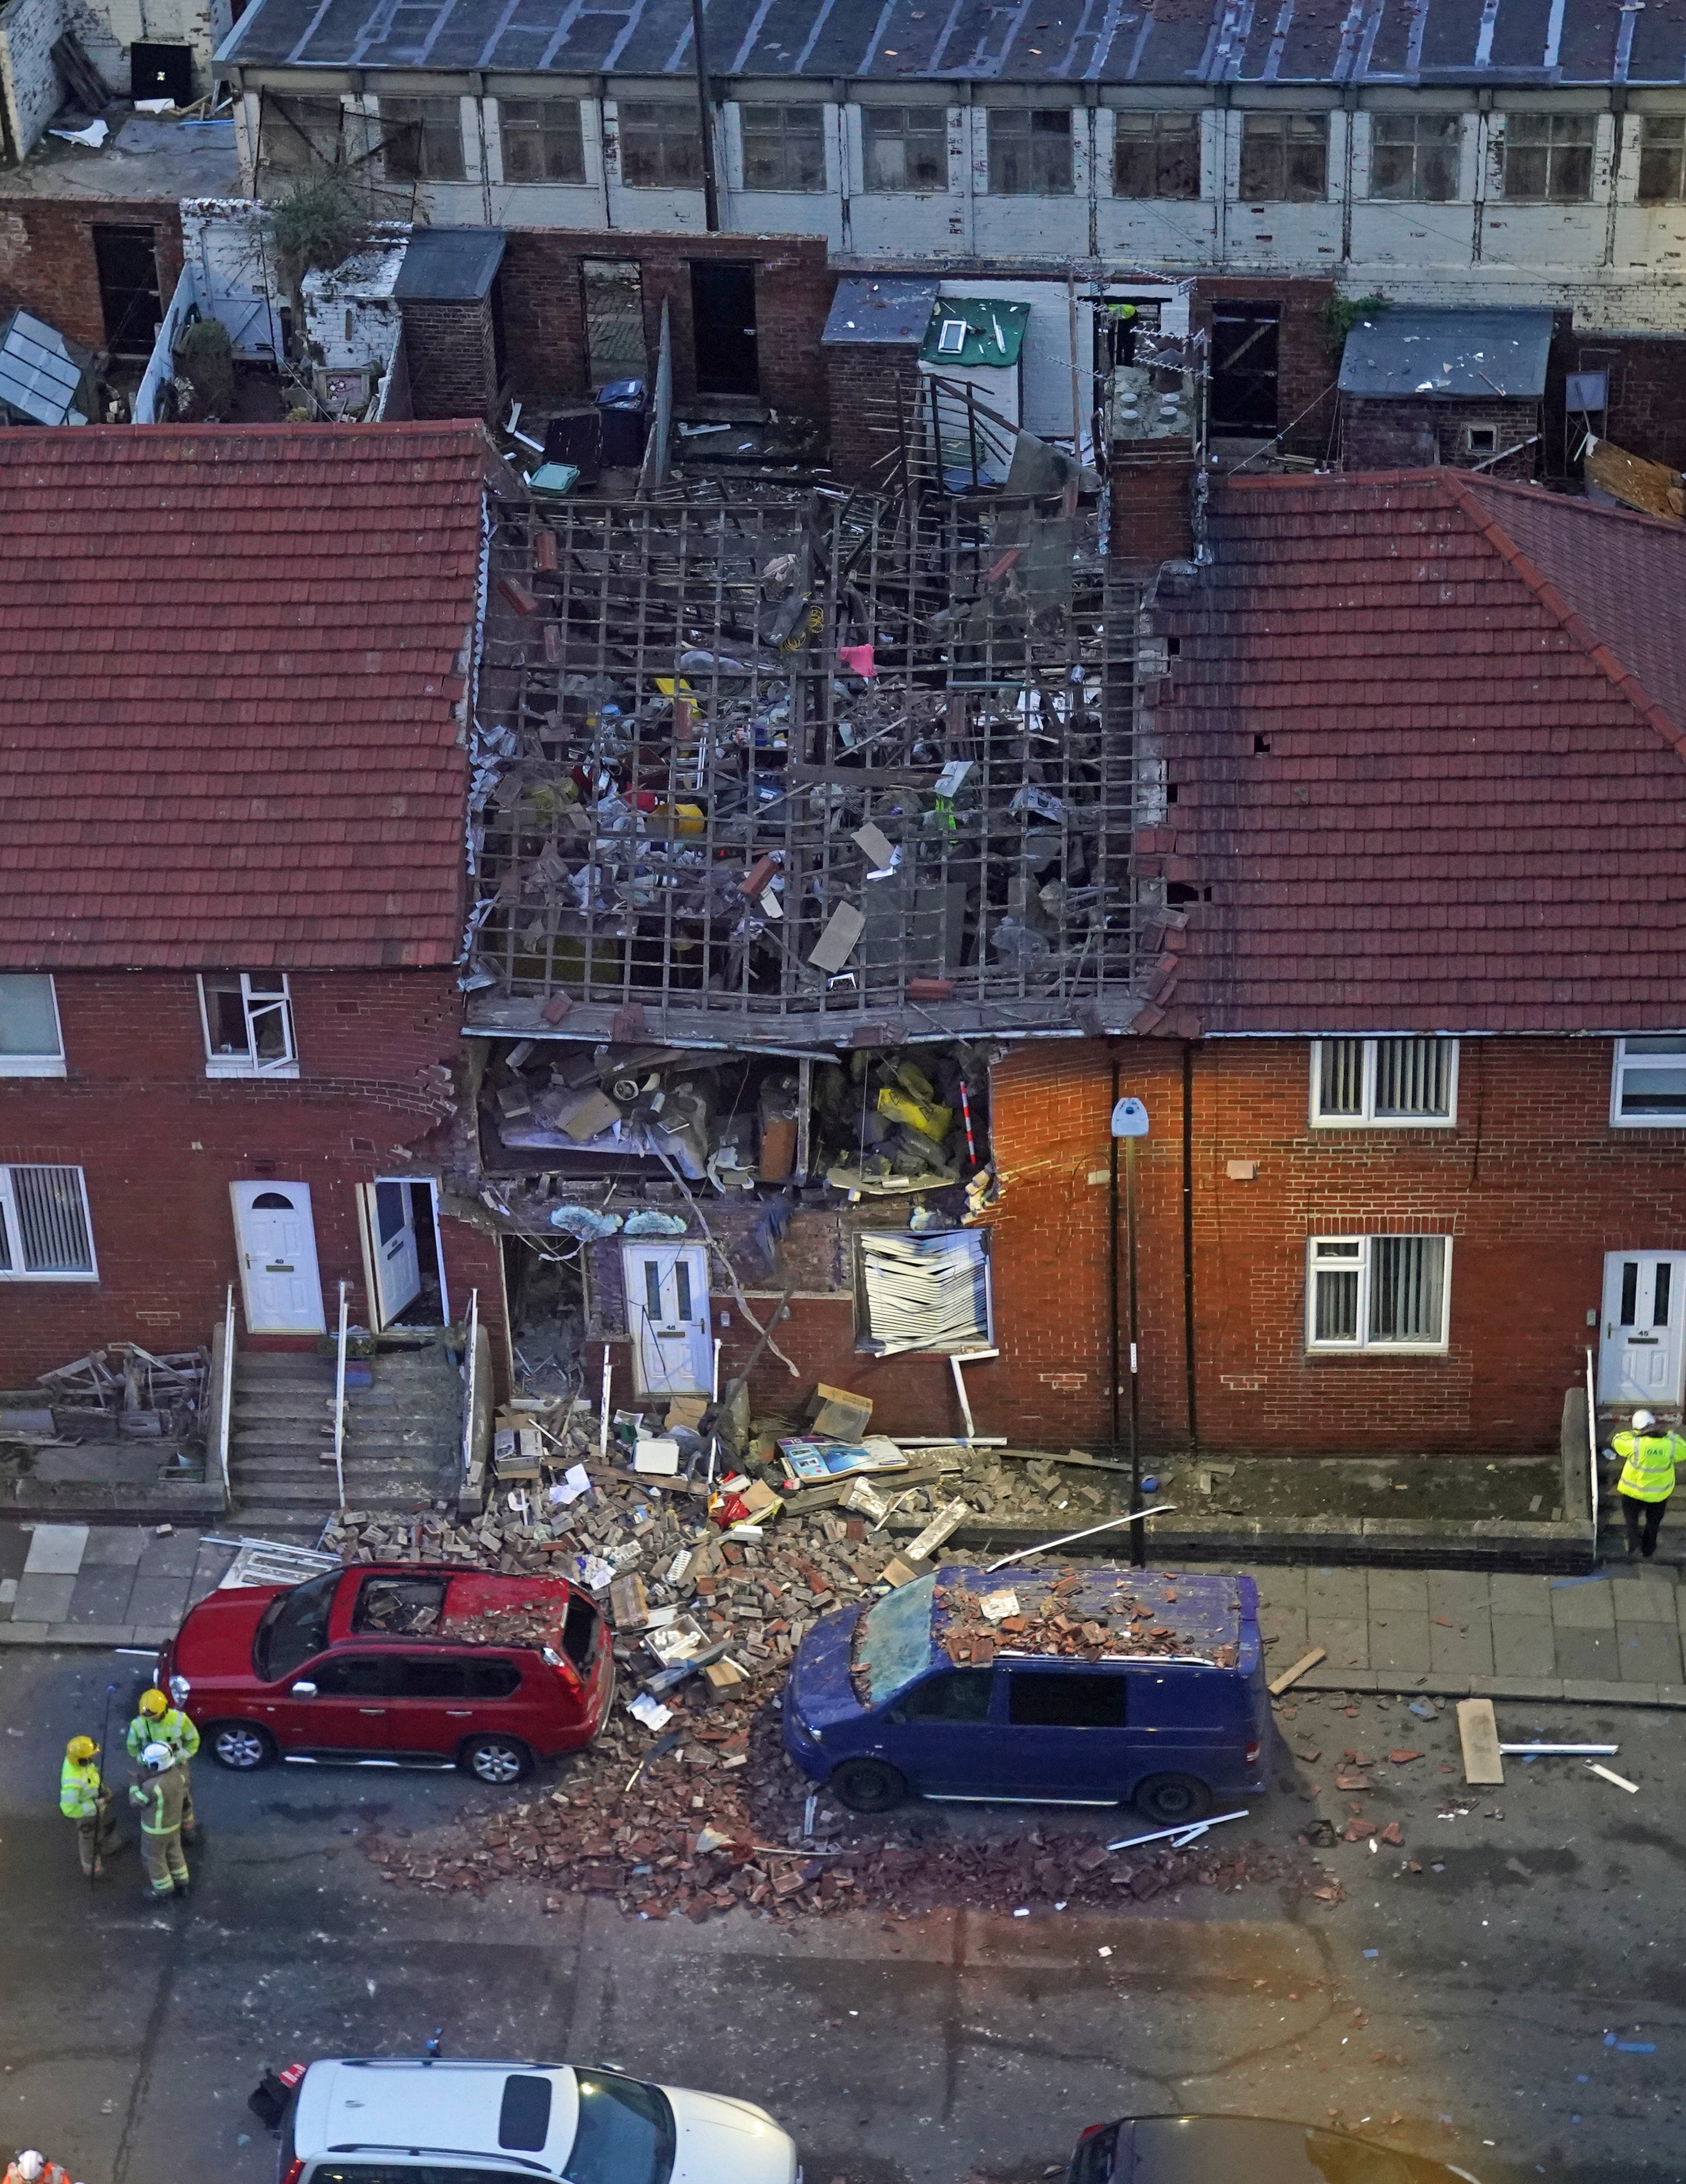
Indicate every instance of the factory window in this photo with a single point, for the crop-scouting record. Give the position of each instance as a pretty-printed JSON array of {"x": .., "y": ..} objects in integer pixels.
[
  {"x": 1030, "y": 152},
  {"x": 1548, "y": 158},
  {"x": 422, "y": 139},
  {"x": 298, "y": 133},
  {"x": 661, "y": 147},
  {"x": 1285, "y": 158},
  {"x": 1662, "y": 159},
  {"x": 1156, "y": 155},
  {"x": 542, "y": 140},
  {"x": 906, "y": 148},
  {"x": 784, "y": 148},
  {"x": 1414, "y": 155}
]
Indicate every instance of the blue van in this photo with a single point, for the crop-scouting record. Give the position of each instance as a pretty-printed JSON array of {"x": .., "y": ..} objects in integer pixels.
[{"x": 1120, "y": 1686}]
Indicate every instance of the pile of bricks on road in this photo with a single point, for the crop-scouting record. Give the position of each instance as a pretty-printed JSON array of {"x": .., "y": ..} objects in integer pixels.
[{"x": 705, "y": 1813}]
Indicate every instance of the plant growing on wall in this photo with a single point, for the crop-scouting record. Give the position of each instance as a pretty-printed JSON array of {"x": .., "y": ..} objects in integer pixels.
[{"x": 1341, "y": 314}]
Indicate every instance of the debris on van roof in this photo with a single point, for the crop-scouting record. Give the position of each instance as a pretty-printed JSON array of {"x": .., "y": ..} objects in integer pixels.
[{"x": 1104, "y": 1613}]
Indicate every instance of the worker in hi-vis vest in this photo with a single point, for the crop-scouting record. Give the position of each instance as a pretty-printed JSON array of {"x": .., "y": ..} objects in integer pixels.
[{"x": 1647, "y": 1480}]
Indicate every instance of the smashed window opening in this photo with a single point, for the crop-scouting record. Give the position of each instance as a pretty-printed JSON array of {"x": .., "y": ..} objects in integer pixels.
[
  {"x": 898, "y": 1122},
  {"x": 923, "y": 1292},
  {"x": 862, "y": 768}
]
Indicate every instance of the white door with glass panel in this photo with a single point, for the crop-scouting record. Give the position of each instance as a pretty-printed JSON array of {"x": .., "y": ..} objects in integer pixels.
[
  {"x": 1644, "y": 1314},
  {"x": 398, "y": 1257},
  {"x": 277, "y": 1242},
  {"x": 667, "y": 1312}
]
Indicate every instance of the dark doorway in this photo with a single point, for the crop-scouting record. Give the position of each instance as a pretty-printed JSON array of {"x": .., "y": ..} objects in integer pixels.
[
  {"x": 128, "y": 288},
  {"x": 161, "y": 72},
  {"x": 1245, "y": 368},
  {"x": 723, "y": 329}
]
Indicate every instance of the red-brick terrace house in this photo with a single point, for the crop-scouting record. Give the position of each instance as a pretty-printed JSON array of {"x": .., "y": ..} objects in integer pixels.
[
  {"x": 1416, "y": 1074},
  {"x": 236, "y": 670}
]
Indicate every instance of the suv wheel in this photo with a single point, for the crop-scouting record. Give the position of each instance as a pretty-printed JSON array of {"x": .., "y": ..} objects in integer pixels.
[
  {"x": 241, "y": 1745},
  {"x": 498, "y": 1760},
  {"x": 1169, "y": 1799},
  {"x": 867, "y": 1786}
]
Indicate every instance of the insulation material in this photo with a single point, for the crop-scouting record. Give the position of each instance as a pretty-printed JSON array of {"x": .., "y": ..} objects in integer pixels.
[{"x": 924, "y": 1292}]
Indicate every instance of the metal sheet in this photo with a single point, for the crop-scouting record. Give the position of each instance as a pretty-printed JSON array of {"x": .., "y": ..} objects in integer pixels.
[{"x": 893, "y": 309}]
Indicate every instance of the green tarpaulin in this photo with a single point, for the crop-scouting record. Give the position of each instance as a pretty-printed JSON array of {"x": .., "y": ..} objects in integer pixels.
[{"x": 995, "y": 332}]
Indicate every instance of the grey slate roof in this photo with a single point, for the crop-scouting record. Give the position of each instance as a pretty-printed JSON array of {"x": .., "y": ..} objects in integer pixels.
[
  {"x": 1449, "y": 354},
  {"x": 889, "y": 307},
  {"x": 448, "y": 264},
  {"x": 1149, "y": 41}
]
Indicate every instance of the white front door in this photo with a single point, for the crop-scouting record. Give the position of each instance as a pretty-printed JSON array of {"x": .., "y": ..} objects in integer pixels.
[
  {"x": 1645, "y": 1315},
  {"x": 398, "y": 1262},
  {"x": 276, "y": 1240},
  {"x": 667, "y": 1311}
]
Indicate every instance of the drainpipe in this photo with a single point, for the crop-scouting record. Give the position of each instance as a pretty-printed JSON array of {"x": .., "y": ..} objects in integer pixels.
[
  {"x": 1188, "y": 1375},
  {"x": 705, "y": 116},
  {"x": 1117, "y": 1434}
]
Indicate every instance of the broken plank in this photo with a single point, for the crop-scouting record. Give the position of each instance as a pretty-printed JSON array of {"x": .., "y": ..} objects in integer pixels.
[
  {"x": 1610, "y": 1775},
  {"x": 1280, "y": 1684},
  {"x": 1483, "y": 1767}
]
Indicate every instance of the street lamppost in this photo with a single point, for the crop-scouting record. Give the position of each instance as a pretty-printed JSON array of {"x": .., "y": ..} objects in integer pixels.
[{"x": 1129, "y": 1127}]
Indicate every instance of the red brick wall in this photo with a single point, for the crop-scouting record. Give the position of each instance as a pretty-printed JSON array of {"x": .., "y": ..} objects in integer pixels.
[
  {"x": 159, "y": 1143},
  {"x": 451, "y": 353},
  {"x": 1647, "y": 413},
  {"x": 862, "y": 389},
  {"x": 544, "y": 317},
  {"x": 1531, "y": 1183},
  {"x": 47, "y": 256}
]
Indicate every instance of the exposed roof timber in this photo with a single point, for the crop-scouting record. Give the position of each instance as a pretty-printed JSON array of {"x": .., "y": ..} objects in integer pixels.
[{"x": 1540, "y": 42}]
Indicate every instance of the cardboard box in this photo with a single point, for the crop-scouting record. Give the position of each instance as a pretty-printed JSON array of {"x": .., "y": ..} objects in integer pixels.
[{"x": 838, "y": 1414}]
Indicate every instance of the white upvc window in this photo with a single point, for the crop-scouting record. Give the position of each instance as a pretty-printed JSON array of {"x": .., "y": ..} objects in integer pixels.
[
  {"x": 1384, "y": 1083},
  {"x": 45, "y": 1232},
  {"x": 248, "y": 1019},
  {"x": 1378, "y": 1292},
  {"x": 31, "y": 1043},
  {"x": 1648, "y": 1086}
]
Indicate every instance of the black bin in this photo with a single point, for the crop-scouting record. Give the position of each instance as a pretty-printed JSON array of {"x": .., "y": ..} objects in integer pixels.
[{"x": 623, "y": 406}]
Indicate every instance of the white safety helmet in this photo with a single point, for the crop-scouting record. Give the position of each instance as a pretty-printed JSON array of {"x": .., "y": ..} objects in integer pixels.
[
  {"x": 1642, "y": 1421},
  {"x": 30, "y": 2164},
  {"x": 156, "y": 1758}
]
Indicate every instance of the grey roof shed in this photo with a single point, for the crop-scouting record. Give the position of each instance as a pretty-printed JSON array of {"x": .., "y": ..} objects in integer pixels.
[
  {"x": 1448, "y": 356},
  {"x": 449, "y": 264}
]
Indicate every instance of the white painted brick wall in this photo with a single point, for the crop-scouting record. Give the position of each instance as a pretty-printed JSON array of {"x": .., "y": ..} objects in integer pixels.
[{"x": 28, "y": 78}]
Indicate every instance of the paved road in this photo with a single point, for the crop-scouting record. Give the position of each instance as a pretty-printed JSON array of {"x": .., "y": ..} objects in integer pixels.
[{"x": 925, "y": 2052}]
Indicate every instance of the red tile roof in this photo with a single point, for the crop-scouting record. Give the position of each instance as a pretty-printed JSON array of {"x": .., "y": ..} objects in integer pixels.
[
  {"x": 232, "y": 667},
  {"x": 1428, "y": 734}
]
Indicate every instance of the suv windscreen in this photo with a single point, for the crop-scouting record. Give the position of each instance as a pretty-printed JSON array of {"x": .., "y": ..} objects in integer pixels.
[
  {"x": 626, "y": 2133},
  {"x": 892, "y": 1642},
  {"x": 294, "y": 1627}
]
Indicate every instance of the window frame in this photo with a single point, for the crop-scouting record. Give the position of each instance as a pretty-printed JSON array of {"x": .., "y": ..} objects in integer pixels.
[
  {"x": 1550, "y": 149},
  {"x": 686, "y": 129},
  {"x": 1187, "y": 131},
  {"x": 1364, "y": 1344},
  {"x": 390, "y": 127},
  {"x": 903, "y": 134},
  {"x": 1031, "y": 116},
  {"x": 1438, "y": 118},
  {"x": 280, "y": 123},
  {"x": 1368, "y": 1118},
  {"x": 12, "y": 1228},
  {"x": 249, "y": 1064},
  {"x": 1672, "y": 148},
  {"x": 787, "y": 139},
  {"x": 1620, "y": 1061},
  {"x": 1264, "y": 125},
  {"x": 532, "y": 127},
  {"x": 38, "y": 1065}
]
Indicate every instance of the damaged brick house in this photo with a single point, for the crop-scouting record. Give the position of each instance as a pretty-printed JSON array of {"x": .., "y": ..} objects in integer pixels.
[{"x": 238, "y": 666}]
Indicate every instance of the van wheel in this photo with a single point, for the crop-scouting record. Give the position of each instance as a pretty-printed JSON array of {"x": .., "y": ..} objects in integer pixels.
[
  {"x": 867, "y": 1786},
  {"x": 241, "y": 1746},
  {"x": 498, "y": 1760},
  {"x": 1171, "y": 1798}
]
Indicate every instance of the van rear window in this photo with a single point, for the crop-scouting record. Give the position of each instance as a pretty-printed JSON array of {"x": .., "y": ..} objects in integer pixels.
[{"x": 1053, "y": 1698}]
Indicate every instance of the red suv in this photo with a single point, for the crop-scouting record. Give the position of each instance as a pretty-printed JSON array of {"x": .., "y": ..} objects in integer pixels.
[{"x": 388, "y": 1663}]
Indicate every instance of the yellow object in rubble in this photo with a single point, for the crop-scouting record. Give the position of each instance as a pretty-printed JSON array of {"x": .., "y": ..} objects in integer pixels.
[
  {"x": 677, "y": 819},
  {"x": 924, "y": 1115}
]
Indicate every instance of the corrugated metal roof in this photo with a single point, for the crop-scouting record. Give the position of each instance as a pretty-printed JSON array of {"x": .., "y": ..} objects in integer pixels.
[
  {"x": 1450, "y": 355},
  {"x": 39, "y": 371},
  {"x": 896, "y": 308},
  {"x": 1175, "y": 42},
  {"x": 449, "y": 264}
]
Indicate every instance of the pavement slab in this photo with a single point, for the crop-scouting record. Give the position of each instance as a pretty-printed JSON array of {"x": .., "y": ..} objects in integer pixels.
[
  {"x": 1582, "y": 1604},
  {"x": 56, "y": 1551},
  {"x": 1523, "y": 1645},
  {"x": 113, "y": 1545}
]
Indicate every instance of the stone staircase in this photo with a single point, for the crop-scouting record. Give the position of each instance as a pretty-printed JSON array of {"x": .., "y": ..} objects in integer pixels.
[{"x": 403, "y": 1438}]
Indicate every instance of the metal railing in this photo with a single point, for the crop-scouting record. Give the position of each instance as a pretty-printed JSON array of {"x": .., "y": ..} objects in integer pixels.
[
  {"x": 339, "y": 1403},
  {"x": 470, "y": 1385},
  {"x": 225, "y": 1400}
]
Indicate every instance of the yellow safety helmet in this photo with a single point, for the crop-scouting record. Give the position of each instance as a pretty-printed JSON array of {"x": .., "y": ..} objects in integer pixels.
[
  {"x": 154, "y": 1702},
  {"x": 80, "y": 1748}
]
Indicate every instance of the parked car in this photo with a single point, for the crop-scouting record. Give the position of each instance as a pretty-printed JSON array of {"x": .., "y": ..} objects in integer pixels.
[
  {"x": 378, "y": 2122},
  {"x": 1173, "y": 2149},
  {"x": 1170, "y": 1713},
  {"x": 385, "y": 1663}
]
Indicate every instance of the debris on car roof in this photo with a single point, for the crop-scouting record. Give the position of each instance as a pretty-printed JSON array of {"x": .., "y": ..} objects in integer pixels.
[{"x": 1101, "y": 1614}]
